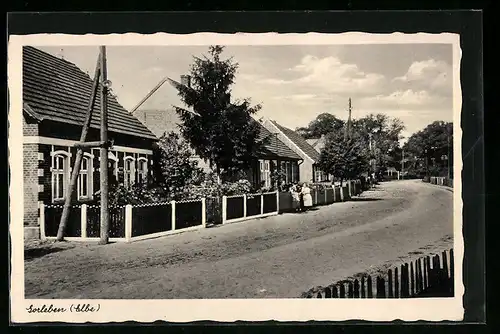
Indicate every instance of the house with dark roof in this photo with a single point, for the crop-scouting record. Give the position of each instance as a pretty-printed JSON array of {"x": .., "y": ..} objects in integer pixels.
[
  {"x": 317, "y": 143},
  {"x": 56, "y": 94},
  {"x": 308, "y": 170},
  {"x": 274, "y": 155}
]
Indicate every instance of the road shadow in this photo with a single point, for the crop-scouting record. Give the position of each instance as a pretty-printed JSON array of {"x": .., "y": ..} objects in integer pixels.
[{"x": 365, "y": 199}]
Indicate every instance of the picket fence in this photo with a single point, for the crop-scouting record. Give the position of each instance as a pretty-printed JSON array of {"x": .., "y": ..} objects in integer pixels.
[
  {"x": 325, "y": 196},
  {"x": 430, "y": 276},
  {"x": 441, "y": 181},
  {"x": 127, "y": 223},
  {"x": 143, "y": 221}
]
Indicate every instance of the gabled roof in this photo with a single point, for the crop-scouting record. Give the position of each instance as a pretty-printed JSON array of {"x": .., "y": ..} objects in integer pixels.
[
  {"x": 57, "y": 90},
  {"x": 312, "y": 141},
  {"x": 274, "y": 146},
  {"x": 298, "y": 140}
]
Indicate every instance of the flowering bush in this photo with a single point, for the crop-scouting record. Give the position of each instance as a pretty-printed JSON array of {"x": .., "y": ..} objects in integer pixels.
[
  {"x": 210, "y": 187},
  {"x": 136, "y": 194}
]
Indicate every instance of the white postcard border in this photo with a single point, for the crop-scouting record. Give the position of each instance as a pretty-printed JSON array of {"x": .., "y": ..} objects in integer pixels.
[{"x": 226, "y": 310}]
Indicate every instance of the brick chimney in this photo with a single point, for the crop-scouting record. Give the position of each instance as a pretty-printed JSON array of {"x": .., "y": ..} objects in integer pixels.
[{"x": 186, "y": 80}]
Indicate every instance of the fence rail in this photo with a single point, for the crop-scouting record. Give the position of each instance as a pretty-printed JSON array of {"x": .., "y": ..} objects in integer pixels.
[
  {"x": 249, "y": 206},
  {"x": 127, "y": 223},
  {"x": 137, "y": 222},
  {"x": 441, "y": 181},
  {"x": 430, "y": 276}
]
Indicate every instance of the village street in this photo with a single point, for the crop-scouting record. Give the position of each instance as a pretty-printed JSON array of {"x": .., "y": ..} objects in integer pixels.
[{"x": 276, "y": 257}]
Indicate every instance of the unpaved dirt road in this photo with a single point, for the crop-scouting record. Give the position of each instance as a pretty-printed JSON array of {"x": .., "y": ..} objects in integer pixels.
[{"x": 275, "y": 257}]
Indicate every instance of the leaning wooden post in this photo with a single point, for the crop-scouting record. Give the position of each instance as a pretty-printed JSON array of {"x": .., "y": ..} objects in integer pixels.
[
  {"x": 103, "y": 166},
  {"x": 78, "y": 158}
]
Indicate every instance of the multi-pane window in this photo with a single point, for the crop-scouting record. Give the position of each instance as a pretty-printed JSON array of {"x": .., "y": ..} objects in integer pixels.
[
  {"x": 319, "y": 175},
  {"x": 142, "y": 170},
  {"x": 295, "y": 172},
  {"x": 284, "y": 172},
  {"x": 60, "y": 176},
  {"x": 286, "y": 167},
  {"x": 265, "y": 173},
  {"x": 129, "y": 171},
  {"x": 85, "y": 179}
]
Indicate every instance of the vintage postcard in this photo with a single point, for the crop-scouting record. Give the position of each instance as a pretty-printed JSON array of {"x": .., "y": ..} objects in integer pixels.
[{"x": 225, "y": 177}]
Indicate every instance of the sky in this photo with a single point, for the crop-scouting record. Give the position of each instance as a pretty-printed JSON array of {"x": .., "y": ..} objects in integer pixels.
[{"x": 295, "y": 83}]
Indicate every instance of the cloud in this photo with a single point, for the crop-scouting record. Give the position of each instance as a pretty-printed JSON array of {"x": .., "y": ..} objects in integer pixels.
[
  {"x": 406, "y": 98},
  {"x": 429, "y": 74},
  {"x": 329, "y": 75},
  {"x": 296, "y": 97}
]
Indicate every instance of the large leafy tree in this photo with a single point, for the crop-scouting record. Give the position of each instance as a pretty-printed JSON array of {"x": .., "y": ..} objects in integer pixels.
[
  {"x": 220, "y": 130},
  {"x": 380, "y": 135},
  {"x": 323, "y": 124},
  {"x": 344, "y": 157},
  {"x": 430, "y": 150}
]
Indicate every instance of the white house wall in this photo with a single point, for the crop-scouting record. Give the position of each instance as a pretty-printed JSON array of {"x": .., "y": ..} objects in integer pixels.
[{"x": 306, "y": 167}]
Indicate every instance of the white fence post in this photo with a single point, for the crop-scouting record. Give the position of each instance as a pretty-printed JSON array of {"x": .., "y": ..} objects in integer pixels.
[
  {"x": 128, "y": 222},
  {"x": 261, "y": 204},
  {"x": 203, "y": 212},
  {"x": 341, "y": 193},
  {"x": 244, "y": 205},
  {"x": 173, "y": 215},
  {"x": 349, "y": 187},
  {"x": 83, "y": 218},
  {"x": 277, "y": 201},
  {"x": 42, "y": 221},
  {"x": 224, "y": 209}
]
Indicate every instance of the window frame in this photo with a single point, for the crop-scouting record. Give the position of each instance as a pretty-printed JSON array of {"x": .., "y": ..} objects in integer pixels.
[
  {"x": 142, "y": 173},
  {"x": 89, "y": 172},
  {"x": 64, "y": 171},
  {"x": 129, "y": 181}
]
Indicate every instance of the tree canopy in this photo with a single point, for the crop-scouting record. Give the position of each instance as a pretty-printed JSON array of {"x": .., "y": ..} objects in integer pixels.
[
  {"x": 342, "y": 157},
  {"x": 430, "y": 148},
  {"x": 220, "y": 130},
  {"x": 380, "y": 135},
  {"x": 323, "y": 124}
]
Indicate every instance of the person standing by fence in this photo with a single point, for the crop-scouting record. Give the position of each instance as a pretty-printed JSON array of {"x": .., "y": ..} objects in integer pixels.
[
  {"x": 295, "y": 198},
  {"x": 307, "y": 198}
]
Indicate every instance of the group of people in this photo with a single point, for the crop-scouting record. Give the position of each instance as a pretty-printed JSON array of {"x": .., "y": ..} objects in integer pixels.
[{"x": 301, "y": 197}]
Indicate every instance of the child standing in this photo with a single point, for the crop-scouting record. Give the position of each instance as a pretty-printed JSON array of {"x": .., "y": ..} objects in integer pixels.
[{"x": 295, "y": 198}]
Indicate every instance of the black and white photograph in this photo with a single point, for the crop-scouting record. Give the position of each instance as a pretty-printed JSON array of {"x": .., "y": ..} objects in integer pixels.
[{"x": 253, "y": 169}]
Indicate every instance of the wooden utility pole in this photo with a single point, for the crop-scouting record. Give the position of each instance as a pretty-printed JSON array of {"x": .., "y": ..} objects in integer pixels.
[
  {"x": 103, "y": 165},
  {"x": 348, "y": 125},
  {"x": 78, "y": 158},
  {"x": 149, "y": 94}
]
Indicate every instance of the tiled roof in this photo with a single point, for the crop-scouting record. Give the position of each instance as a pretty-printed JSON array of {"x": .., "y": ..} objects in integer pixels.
[
  {"x": 299, "y": 141},
  {"x": 312, "y": 142},
  {"x": 58, "y": 90},
  {"x": 274, "y": 146}
]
